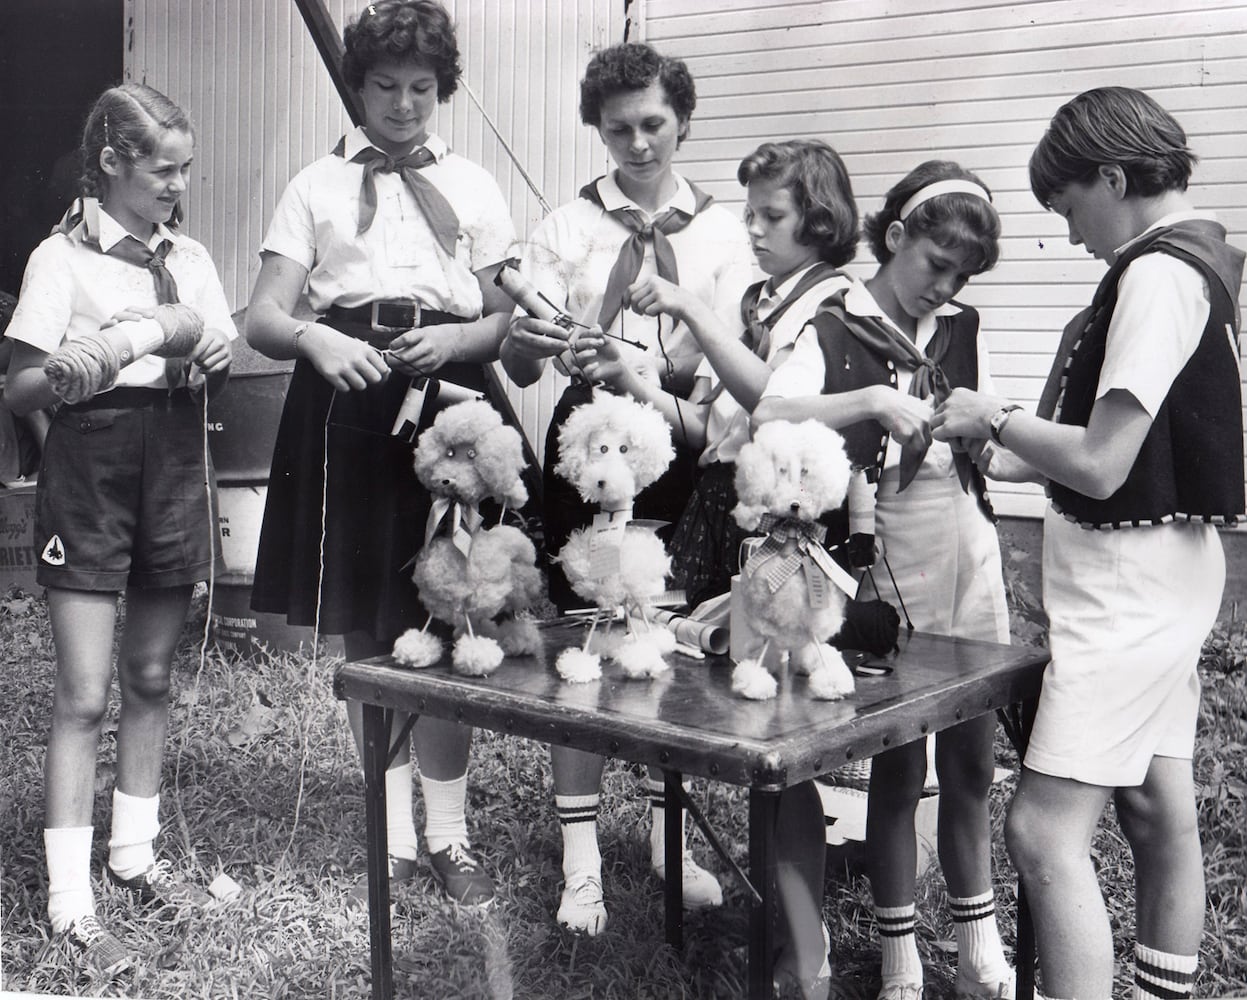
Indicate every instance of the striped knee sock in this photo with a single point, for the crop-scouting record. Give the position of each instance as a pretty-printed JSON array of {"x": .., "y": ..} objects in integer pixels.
[
  {"x": 657, "y": 791},
  {"x": 1159, "y": 975},
  {"x": 980, "y": 955},
  {"x": 578, "y": 818},
  {"x": 899, "y": 942}
]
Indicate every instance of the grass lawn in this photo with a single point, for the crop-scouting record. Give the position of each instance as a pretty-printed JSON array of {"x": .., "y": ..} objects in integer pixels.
[{"x": 261, "y": 782}]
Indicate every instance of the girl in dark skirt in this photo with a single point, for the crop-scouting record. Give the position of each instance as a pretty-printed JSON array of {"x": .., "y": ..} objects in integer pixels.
[{"x": 396, "y": 241}]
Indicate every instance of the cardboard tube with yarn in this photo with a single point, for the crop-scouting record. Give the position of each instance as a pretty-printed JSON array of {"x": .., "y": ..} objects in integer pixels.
[
  {"x": 81, "y": 368},
  {"x": 707, "y": 636}
]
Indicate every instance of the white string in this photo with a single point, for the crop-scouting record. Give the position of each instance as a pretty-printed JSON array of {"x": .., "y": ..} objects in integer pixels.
[
  {"x": 213, "y": 542},
  {"x": 320, "y": 582}
]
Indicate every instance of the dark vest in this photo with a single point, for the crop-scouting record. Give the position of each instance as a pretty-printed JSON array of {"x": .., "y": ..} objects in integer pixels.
[
  {"x": 1191, "y": 463},
  {"x": 849, "y": 365}
]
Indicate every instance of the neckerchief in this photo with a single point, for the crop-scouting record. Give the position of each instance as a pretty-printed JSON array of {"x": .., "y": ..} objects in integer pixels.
[
  {"x": 628, "y": 264},
  {"x": 133, "y": 251},
  {"x": 457, "y": 521},
  {"x": 759, "y": 330},
  {"x": 928, "y": 380},
  {"x": 438, "y": 212}
]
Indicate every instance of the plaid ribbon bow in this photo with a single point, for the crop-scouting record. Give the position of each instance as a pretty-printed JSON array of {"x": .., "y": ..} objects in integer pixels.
[{"x": 809, "y": 550}]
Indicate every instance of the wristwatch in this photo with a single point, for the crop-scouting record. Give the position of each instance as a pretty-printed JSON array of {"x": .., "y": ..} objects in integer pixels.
[
  {"x": 299, "y": 331},
  {"x": 999, "y": 419}
]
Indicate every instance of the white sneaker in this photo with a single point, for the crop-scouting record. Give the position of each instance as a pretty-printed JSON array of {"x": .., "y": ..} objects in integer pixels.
[
  {"x": 581, "y": 908},
  {"x": 900, "y": 990},
  {"x": 700, "y": 887},
  {"x": 972, "y": 989}
]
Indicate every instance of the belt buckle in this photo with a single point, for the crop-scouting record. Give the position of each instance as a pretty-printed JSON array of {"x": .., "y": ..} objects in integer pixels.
[{"x": 394, "y": 316}]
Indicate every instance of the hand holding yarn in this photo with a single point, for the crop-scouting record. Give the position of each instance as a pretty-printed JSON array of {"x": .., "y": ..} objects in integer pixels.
[{"x": 81, "y": 368}]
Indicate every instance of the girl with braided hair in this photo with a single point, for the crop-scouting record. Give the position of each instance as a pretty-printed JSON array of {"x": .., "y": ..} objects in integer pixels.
[{"x": 122, "y": 503}]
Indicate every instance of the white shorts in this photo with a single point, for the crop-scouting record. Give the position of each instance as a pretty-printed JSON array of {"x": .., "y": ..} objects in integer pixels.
[
  {"x": 1128, "y": 612},
  {"x": 945, "y": 556}
]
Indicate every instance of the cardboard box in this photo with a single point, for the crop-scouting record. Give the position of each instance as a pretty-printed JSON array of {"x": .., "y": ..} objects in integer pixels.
[{"x": 18, "y": 555}]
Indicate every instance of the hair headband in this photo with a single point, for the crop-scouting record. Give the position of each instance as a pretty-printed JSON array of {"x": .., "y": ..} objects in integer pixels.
[{"x": 942, "y": 187}]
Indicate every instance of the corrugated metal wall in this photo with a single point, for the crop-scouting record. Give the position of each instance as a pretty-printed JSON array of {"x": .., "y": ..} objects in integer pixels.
[
  {"x": 263, "y": 107},
  {"x": 890, "y": 84}
]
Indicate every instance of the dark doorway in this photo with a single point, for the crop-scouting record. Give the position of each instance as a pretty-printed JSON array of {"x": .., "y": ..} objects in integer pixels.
[{"x": 55, "y": 58}]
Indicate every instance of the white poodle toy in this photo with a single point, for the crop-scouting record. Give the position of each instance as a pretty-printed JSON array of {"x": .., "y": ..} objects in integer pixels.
[
  {"x": 788, "y": 476},
  {"x": 610, "y": 449},
  {"x": 468, "y": 575}
]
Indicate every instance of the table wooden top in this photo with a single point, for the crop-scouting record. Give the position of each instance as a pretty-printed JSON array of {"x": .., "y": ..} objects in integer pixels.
[{"x": 690, "y": 721}]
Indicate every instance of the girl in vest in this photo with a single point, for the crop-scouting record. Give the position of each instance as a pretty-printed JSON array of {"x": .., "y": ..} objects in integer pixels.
[
  {"x": 872, "y": 364},
  {"x": 641, "y": 219},
  {"x": 126, "y": 500},
  {"x": 802, "y": 224},
  {"x": 395, "y": 240},
  {"x": 1139, "y": 440}
]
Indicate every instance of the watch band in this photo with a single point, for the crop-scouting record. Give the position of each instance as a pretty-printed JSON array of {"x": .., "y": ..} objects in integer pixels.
[{"x": 997, "y": 423}]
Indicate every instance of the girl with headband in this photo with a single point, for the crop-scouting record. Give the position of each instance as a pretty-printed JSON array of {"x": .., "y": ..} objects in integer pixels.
[{"x": 873, "y": 364}]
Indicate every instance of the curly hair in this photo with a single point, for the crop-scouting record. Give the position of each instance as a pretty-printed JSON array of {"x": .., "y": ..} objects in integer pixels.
[
  {"x": 402, "y": 31},
  {"x": 634, "y": 66},
  {"x": 819, "y": 182},
  {"x": 1112, "y": 125},
  {"x": 130, "y": 118},
  {"x": 953, "y": 220}
]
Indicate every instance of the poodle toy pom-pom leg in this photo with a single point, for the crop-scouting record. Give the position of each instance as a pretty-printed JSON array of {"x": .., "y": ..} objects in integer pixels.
[
  {"x": 519, "y": 637},
  {"x": 831, "y": 679},
  {"x": 476, "y": 655},
  {"x": 640, "y": 656},
  {"x": 415, "y": 648},
  {"x": 578, "y": 666},
  {"x": 752, "y": 680}
]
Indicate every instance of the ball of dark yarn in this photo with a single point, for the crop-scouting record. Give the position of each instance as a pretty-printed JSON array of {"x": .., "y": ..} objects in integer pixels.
[{"x": 871, "y": 626}]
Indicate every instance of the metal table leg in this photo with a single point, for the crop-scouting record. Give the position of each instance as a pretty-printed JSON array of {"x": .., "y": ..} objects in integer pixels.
[
  {"x": 673, "y": 879},
  {"x": 763, "y": 817},
  {"x": 376, "y": 752}
]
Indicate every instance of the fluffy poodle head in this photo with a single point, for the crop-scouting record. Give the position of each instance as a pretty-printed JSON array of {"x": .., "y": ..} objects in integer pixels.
[
  {"x": 612, "y": 448},
  {"x": 791, "y": 470},
  {"x": 470, "y": 454}
]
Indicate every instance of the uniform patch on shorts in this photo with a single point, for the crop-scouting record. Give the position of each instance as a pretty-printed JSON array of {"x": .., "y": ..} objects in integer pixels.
[{"x": 54, "y": 552}]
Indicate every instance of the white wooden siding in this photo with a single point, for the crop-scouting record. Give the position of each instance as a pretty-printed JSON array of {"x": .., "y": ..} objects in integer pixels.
[
  {"x": 890, "y": 83},
  {"x": 264, "y": 106}
]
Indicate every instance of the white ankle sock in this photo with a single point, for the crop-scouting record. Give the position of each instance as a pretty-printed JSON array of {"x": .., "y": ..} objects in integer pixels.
[
  {"x": 445, "y": 820},
  {"x": 135, "y": 825},
  {"x": 899, "y": 944},
  {"x": 400, "y": 828},
  {"x": 658, "y": 822},
  {"x": 1161, "y": 974},
  {"x": 980, "y": 955},
  {"x": 578, "y": 820},
  {"x": 68, "y": 852}
]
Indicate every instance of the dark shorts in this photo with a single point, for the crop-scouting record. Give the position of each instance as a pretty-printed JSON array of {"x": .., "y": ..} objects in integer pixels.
[{"x": 125, "y": 497}]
